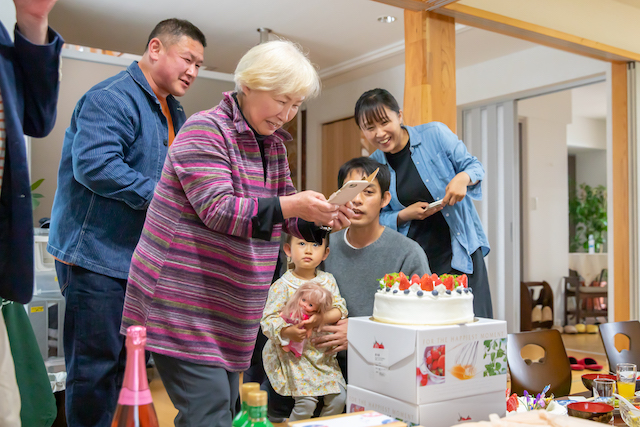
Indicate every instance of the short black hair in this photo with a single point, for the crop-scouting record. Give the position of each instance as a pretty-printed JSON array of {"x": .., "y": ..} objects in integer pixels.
[
  {"x": 366, "y": 165},
  {"x": 370, "y": 106},
  {"x": 173, "y": 29}
]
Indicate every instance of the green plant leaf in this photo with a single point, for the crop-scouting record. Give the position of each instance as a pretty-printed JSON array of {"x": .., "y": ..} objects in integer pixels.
[{"x": 36, "y": 184}]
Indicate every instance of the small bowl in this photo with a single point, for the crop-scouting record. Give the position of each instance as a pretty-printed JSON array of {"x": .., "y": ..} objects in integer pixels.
[
  {"x": 630, "y": 419},
  {"x": 587, "y": 379},
  {"x": 594, "y": 411}
]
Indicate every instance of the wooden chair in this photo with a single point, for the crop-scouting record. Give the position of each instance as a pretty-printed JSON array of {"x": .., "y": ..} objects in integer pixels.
[
  {"x": 552, "y": 369},
  {"x": 527, "y": 303},
  {"x": 608, "y": 332},
  {"x": 574, "y": 289}
]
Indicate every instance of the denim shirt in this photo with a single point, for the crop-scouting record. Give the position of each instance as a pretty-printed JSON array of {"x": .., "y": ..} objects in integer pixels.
[
  {"x": 439, "y": 156},
  {"x": 112, "y": 158}
]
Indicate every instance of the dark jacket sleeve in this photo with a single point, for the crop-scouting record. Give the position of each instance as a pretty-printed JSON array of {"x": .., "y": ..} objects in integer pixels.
[
  {"x": 37, "y": 69},
  {"x": 270, "y": 213}
]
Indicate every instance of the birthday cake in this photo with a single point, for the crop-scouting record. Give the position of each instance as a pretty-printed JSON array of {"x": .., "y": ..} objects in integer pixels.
[{"x": 426, "y": 300}]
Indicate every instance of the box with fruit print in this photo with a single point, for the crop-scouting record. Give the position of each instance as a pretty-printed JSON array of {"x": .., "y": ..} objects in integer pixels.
[
  {"x": 426, "y": 364},
  {"x": 437, "y": 414}
]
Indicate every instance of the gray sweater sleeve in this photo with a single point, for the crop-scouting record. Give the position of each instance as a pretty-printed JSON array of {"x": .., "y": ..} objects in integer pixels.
[{"x": 415, "y": 262}]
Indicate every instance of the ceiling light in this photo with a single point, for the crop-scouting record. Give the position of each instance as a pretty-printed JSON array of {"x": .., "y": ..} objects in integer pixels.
[{"x": 388, "y": 19}]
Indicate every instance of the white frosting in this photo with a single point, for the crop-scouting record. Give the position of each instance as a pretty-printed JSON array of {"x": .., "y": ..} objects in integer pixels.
[{"x": 418, "y": 307}]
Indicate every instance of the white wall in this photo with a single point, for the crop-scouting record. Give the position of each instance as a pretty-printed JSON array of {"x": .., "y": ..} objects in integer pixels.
[
  {"x": 545, "y": 212},
  {"x": 591, "y": 167},
  {"x": 587, "y": 133},
  {"x": 521, "y": 72},
  {"x": 8, "y": 16}
]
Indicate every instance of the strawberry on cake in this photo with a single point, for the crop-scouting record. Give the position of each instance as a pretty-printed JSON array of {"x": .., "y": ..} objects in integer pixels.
[{"x": 426, "y": 300}]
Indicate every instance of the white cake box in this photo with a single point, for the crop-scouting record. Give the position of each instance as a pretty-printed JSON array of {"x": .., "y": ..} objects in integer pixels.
[
  {"x": 403, "y": 361},
  {"x": 438, "y": 414}
]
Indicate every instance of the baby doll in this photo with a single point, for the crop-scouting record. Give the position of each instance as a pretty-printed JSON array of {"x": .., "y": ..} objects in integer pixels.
[{"x": 308, "y": 300}]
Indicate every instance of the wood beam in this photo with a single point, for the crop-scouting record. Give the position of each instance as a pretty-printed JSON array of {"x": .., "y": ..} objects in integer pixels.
[
  {"x": 417, "y": 5},
  {"x": 430, "y": 69},
  {"x": 620, "y": 155},
  {"x": 535, "y": 33}
]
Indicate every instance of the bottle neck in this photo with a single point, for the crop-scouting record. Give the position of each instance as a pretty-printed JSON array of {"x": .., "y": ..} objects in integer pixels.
[
  {"x": 257, "y": 414},
  {"x": 135, "y": 388}
]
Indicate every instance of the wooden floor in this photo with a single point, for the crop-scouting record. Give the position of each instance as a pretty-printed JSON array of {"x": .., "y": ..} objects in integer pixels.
[{"x": 578, "y": 345}]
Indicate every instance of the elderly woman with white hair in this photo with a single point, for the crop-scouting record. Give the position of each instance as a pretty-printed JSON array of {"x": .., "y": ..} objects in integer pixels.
[{"x": 201, "y": 272}]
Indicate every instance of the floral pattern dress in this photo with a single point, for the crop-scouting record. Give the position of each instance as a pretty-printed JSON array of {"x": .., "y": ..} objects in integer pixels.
[{"x": 314, "y": 373}]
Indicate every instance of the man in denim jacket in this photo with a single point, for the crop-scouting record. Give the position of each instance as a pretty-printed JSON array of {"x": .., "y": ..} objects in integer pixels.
[{"x": 112, "y": 158}]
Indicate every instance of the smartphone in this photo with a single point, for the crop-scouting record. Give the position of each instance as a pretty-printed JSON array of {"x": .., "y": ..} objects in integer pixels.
[
  {"x": 348, "y": 192},
  {"x": 351, "y": 189},
  {"x": 434, "y": 204}
]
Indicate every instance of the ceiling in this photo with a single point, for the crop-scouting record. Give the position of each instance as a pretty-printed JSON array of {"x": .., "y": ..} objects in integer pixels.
[
  {"x": 338, "y": 34},
  {"x": 333, "y": 31}
]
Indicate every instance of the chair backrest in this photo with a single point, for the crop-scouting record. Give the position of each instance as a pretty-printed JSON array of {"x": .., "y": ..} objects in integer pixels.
[
  {"x": 631, "y": 329},
  {"x": 554, "y": 369}
]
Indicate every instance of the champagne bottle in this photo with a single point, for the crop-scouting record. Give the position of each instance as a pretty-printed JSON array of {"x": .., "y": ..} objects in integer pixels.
[
  {"x": 135, "y": 406},
  {"x": 242, "y": 418},
  {"x": 257, "y": 408}
]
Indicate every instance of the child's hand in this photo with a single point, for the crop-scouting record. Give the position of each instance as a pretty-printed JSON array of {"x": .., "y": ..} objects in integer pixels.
[
  {"x": 316, "y": 320},
  {"x": 295, "y": 333}
]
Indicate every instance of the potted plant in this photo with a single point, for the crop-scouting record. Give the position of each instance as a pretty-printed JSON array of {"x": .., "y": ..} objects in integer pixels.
[
  {"x": 35, "y": 196},
  {"x": 588, "y": 212}
]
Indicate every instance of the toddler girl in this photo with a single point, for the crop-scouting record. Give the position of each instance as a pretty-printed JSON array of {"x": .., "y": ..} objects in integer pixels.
[{"x": 313, "y": 373}]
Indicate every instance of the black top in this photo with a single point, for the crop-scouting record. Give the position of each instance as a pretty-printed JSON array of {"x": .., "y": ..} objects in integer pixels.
[{"x": 432, "y": 233}]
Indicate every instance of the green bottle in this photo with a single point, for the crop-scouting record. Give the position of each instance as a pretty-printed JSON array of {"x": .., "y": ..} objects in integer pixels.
[
  {"x": 242, "y": 418},
  {"x": 257, "y": 408}
]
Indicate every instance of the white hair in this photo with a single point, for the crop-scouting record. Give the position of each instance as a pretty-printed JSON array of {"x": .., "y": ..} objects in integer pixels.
[{"x": 279, "y": 66}]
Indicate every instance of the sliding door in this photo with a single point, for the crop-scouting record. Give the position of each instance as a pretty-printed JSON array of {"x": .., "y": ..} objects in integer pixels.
[{"x": 490, "y": 134}]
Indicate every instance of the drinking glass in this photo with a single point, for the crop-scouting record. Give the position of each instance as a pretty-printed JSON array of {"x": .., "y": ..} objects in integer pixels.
[
  {"x": 603, "y": 389},
  {"x": 626, "y": 373}
]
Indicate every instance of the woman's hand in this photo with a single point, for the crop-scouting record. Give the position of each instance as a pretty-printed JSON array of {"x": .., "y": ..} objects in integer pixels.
[
  {"x": 313, "y": 207},
  {"x": 419, "y": 211},
  {"x": 456, "y": 189},
  {"x": 295, "y": 333},
  {"x": 337, "y": 339},
  {"x": 345, "y": 213}
]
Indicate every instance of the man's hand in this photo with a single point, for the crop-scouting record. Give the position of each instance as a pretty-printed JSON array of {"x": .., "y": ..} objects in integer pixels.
[
  {"x": 419, "y": 211},
  {"x": 456, "y": 189},
  {"x": 32, "y": 17},
  {"x": 337, "y": 339},
  {"x": 295, "y": 333}
]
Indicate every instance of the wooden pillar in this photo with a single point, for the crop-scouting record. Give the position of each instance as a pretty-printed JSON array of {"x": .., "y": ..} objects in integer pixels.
[
  {"x": 620, "y": 155},
  {"x": 430, "y": 69}
]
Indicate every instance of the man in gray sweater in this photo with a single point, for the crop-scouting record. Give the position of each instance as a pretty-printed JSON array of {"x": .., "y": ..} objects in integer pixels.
[{"x": 363, "y": 253}]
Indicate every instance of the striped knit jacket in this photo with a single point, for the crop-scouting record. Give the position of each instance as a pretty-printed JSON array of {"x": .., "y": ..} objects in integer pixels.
[{"x": 198, "y": 280}]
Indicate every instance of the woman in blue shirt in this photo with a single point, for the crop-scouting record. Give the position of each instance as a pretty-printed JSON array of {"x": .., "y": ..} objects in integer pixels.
[{"x": 429, "y": 163}]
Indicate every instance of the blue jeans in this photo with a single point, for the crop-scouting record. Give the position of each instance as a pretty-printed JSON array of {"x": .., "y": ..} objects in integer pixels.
[{"x": 94, "y": 352}]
